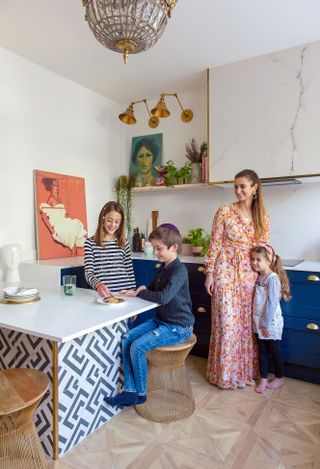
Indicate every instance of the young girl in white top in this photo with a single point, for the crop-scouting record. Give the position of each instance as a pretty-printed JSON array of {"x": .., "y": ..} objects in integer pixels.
[{"x": 272, "y": 285}]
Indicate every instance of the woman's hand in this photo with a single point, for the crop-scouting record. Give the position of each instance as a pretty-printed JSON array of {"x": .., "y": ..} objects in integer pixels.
[
  {"x": 103, "y": 290},
  {"x": 208, "y": 284}
]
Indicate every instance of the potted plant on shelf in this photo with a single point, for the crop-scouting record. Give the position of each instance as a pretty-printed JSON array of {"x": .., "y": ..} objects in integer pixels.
[
  {"x": 186, "y": 246},
  {"x": 123, "y": 191},
  {"x": 196, "y": 155},
  {"x": 197, "y": 237},
  {"x": 183, "y": 175}
]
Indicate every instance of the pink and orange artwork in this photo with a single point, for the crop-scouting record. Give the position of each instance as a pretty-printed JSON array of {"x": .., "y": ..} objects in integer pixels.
[{"x": 61, "y": 215}]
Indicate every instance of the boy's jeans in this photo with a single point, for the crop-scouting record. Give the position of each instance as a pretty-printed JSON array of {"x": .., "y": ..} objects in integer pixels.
[{"x": 138, "y": 341}]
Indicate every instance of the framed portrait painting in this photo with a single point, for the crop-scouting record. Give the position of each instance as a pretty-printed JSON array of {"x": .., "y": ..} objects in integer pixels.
[
  {"x": 146, "y": 154},
  {"x": 61, "y": 215}
]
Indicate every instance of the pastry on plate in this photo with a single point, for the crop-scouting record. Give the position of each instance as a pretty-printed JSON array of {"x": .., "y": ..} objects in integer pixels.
[{"x": 113, "y": 299}]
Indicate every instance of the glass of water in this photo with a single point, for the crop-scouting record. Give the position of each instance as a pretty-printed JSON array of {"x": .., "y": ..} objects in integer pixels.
[{"x": 69, "y": 284}]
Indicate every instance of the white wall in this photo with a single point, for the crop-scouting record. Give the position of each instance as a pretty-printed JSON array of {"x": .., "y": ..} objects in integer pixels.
[
  {"x": 295, "y": 223},
  {"x": 48, "y": 122}
]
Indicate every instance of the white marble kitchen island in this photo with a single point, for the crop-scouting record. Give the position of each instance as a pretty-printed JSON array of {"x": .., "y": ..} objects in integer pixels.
[{"x": 76, "y": 342}]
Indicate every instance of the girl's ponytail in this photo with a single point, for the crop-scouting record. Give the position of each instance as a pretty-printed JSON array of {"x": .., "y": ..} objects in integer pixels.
[{"x": 277, "y": 267}]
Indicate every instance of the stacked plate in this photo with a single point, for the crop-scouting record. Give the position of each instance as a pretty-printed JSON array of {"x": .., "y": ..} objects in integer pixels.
[{"x": 20, "y": 294}]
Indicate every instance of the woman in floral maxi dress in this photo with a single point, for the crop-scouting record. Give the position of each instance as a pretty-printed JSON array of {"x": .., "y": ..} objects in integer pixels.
[{"x": 230, "y": 280}]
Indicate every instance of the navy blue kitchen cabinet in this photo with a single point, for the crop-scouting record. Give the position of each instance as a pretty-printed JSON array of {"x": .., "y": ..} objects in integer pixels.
[
  {"x": 301, "y": 335},
  {"x": 144, "y": 271},
  {"x": 201, "y": 308}
]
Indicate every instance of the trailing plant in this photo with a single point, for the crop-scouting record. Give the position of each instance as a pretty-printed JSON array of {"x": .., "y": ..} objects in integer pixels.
[
  {"x": 183, "y": 174},
  {"x": 195, "y": 154},
  {"x": 124, "y": 196}
]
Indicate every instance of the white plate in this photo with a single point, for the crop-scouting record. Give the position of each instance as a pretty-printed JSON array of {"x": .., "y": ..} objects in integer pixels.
[
  {"x": 15, "y": 292},
  {"x": 102, "y": 302}
]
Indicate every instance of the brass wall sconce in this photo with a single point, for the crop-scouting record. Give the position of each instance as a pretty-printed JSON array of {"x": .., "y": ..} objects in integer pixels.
[
  {"x": 127, "y": 117},
  {"x": 161, "y": 110}
]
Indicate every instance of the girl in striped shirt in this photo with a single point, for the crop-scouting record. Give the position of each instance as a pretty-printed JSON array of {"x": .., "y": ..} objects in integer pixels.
[{"x": 107, "y": 259}]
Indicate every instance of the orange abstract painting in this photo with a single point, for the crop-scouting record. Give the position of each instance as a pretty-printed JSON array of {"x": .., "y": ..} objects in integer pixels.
[{"x": 61, "y": 215}]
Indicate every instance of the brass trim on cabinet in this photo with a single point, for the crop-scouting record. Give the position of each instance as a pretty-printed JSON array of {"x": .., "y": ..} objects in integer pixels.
[
  {"x": 55, "y": 402},
  {"x": 313, "y": 278},
  {"x": 201, "y": 309},
  {"x": 200, "y": 269},
  {"x": 312, "y": 326},
  {"x": 158, "y": 265}
]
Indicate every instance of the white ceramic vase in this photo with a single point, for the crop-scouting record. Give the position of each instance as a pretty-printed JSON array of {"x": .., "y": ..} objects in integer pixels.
[{"x": 12, "y": 257}]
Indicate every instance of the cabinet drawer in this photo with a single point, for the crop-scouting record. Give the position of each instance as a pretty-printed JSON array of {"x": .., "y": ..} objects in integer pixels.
[
  {"x": 300, "y": 345},
  {"x": 304, "y": 277},
  {"x": 299, "y": 310},
  {"x": 196, "y": 278},
  {"x": 202, "y": 316},
  {"x": 305, "y": 294}
]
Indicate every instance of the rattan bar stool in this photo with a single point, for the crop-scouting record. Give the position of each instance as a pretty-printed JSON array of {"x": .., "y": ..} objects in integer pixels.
[
  {"x": 21, "y": 390},
  {"x": 169, "y": 395}
]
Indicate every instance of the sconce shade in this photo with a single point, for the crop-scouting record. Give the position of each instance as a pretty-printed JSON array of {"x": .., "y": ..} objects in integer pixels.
[
  {"x": 186, "y": 115},
  {"x": 127, "y": 117},
  {"x": 160, "y": 110},
  {"x": 153, "y": 122}
]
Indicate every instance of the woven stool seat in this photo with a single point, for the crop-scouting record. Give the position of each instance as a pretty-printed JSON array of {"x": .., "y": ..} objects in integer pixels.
[
  {"x": 169, "y": 395},
  {"x": 21, "y": 390}
]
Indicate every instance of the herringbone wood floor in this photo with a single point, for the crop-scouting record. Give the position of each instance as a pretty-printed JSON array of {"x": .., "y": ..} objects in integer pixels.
[{"x": 229, "y": 429}]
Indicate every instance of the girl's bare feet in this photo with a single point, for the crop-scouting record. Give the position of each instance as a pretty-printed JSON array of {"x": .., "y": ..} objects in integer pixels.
[
  {"x": 261, "y": 386},
  {"x": 276, "y": 383}
]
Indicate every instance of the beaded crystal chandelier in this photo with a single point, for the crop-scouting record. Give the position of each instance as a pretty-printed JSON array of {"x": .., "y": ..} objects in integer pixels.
[{"x": 128, "y": 26}]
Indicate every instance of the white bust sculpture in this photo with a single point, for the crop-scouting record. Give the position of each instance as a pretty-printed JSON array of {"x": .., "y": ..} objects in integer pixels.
[{"x": 12, "y": 257}]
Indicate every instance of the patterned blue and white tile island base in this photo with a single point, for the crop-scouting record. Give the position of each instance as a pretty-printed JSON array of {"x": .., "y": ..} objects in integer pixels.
[{"x": 88, "y": 369}]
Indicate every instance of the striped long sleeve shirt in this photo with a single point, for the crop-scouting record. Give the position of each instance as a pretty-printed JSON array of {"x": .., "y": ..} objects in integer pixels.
[{"x": 108, "y": 264}]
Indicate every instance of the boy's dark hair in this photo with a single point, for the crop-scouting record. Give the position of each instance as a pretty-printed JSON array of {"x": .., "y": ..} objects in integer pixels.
[{"x": 168, "y": 235}]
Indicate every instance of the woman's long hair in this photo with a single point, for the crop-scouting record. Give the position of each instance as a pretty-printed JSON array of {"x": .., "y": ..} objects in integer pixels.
[
  {"x": 101, "y": 232},
  {"x": 276, "y": 266},
  {"x": 259, "y": 214}
]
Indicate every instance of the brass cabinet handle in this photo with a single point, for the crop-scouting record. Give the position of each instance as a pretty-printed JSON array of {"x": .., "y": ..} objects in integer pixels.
[
  {"x": 201, "y": 269},
  {"x": 201, "y": 309},
  {"x": 158, "y": 265},
  {"x": 312, "y": 326},
  {"x": 313, "y": 278}
]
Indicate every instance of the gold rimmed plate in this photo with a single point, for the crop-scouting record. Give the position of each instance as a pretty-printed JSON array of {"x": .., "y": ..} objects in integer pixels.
[{"x": 18, "y": 301}]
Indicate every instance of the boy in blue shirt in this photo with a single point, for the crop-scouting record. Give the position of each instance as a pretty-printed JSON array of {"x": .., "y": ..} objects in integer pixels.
[{"x": 174, "y": 321}]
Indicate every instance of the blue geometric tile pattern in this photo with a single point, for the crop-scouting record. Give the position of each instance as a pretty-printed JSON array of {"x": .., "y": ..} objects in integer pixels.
[{"x": 89, "y": 367}]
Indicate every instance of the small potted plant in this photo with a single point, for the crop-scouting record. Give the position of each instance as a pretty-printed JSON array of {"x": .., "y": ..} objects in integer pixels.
[
  {"x": 186, "y": 246},
  {"x": 183, "y": 175},
  {"x": 195, "y": 155},
  {"x": 197, "y": 237}
]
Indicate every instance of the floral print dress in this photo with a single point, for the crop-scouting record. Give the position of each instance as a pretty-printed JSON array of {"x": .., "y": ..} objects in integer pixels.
[{"x": 232, "y": 360}]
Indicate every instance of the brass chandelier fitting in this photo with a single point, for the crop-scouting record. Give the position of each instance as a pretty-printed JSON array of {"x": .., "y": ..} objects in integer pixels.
[
  {"x": 161, "y": 110},
  {"x": 127, "y": 117},
  {"x": 128, "y": 26}
]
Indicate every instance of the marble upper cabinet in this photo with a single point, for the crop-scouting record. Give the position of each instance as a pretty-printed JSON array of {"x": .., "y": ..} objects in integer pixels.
[{"x": 265, "y": 115}]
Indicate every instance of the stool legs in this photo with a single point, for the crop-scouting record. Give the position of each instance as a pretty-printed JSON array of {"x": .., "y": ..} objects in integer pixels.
[
  {"x": 20, "y": 447},
  {"x": 169, "y": 395}
]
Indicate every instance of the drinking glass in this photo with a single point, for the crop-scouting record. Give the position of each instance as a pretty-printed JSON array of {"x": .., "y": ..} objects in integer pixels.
[{"x": 69, "y": 284}]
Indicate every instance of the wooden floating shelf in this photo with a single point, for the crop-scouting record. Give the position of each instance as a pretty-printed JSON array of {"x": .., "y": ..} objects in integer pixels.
[{"x": 165, "y": 188}]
